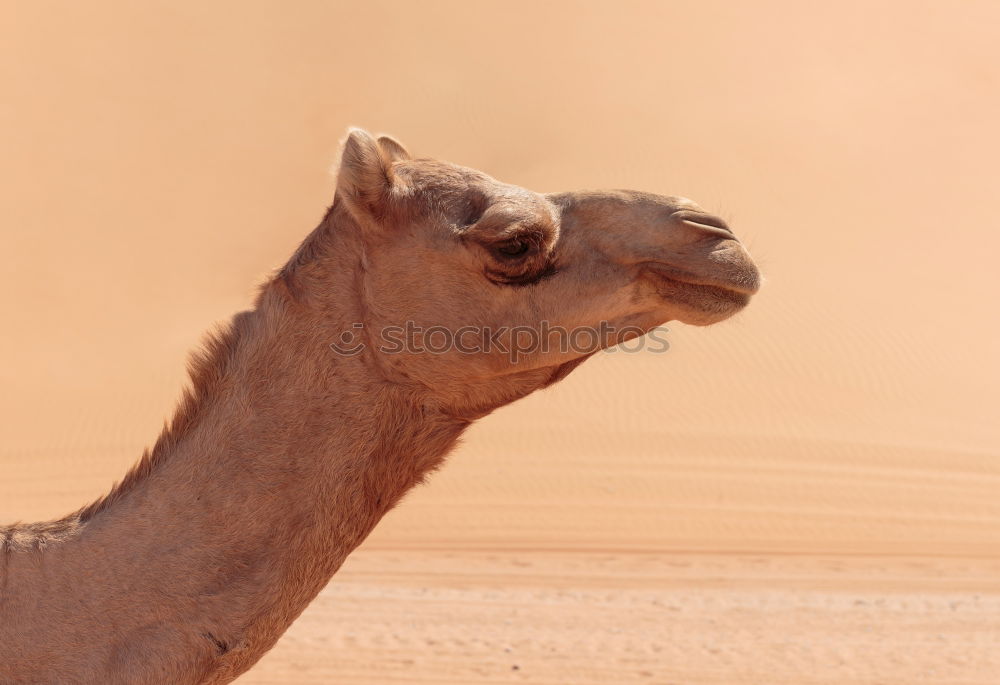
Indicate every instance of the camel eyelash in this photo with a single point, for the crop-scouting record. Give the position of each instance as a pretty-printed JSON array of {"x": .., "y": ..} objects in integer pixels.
[
  {"x": 515, "y": 248},
  {"x": 524, "y": 279},
  {"x": 518, "y": 244}
]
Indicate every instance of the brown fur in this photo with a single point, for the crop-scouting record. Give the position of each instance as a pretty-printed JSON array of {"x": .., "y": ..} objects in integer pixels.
[{"x": 283, "y": 455}]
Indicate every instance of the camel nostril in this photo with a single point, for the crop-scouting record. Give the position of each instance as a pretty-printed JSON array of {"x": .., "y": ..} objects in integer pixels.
[{"x": 702, "y": 220}]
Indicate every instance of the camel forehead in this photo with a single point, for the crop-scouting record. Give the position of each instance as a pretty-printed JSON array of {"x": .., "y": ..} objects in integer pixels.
[
  {"x": 435, "y": 175},
  {"x": 438, "y": 181}
]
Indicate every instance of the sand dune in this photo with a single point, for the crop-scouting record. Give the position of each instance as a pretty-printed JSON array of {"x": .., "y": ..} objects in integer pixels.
[
  {"x": 806, "y": 494},
  {"x": 607, "y": 617}
]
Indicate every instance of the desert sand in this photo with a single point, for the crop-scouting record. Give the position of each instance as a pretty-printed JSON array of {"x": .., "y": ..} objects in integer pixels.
[{"x": 807, "y": 494}]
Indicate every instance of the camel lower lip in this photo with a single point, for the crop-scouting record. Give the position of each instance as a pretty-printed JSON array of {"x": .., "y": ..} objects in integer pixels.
[{"x": 700, "y": 295}]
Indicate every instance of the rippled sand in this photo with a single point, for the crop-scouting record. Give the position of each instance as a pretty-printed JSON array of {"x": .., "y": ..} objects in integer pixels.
[{"x": 807, "y": 494}]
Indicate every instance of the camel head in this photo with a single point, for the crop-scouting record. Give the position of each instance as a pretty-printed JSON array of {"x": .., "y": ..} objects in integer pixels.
[{"x": 475, "y": 289}]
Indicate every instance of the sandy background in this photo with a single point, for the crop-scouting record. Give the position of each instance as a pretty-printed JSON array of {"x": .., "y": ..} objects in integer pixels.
[{"x": 806, "y": 494}]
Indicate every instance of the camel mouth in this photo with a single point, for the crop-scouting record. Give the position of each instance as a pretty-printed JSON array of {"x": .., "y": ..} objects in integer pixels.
[
  {"x": 706, "y": 300},
  {"x": 738, "y": 279},
  {"x": 736, "y": 296}
]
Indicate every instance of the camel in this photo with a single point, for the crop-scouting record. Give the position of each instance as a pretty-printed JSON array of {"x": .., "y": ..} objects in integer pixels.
[{"x": 302, "y": 426}]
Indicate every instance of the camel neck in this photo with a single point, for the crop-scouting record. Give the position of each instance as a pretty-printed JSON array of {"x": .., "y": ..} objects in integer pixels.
[{"x": 279, "y": 463}]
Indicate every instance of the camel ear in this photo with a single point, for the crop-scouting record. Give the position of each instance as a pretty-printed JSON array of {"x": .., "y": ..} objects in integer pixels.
[
  {"x": 393, "y": 149},
  {"x": 365, "y": 180}
]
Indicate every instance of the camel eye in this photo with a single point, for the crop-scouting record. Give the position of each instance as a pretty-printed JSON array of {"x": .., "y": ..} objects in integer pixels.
[{"x": 514, "y": 248}]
